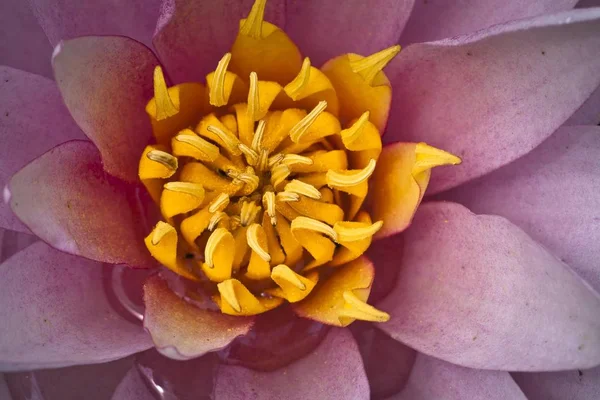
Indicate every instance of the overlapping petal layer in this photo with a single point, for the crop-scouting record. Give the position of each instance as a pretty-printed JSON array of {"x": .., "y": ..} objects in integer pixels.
[
  {"x": 493, "y": 96},
  {"x": 552, "y": 194},
  {"x": 576, "y": 385},
  {"x": 333, "y": 370},
  {"x": 33, "y": 120},
  {"x": 55, "y": 313},
  {"x": 67, "y": 199},
  {"x": 132, "y": 387},
  {"x": 476, "y": 291},
  {"x": 106, "y": 83}
]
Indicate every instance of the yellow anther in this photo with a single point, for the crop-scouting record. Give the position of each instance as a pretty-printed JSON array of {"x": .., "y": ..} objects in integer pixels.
[
  {"x": 302, "y": 126},
  {"x": 428, "y": 157},
  {"x": 234, "y": 222},
  {"x": 253, "y": 99},
  {"x": 160, "y": 231},
  {"x": 292, "y": 159},
  {"x": 287, "y": 196},
  {"x": 193, "y": 189},
  {"x": 351, "y": 134},
  {"x": 251, "y": 155},
  {"x": 350, "y": 178},
  {"x": 315, "y": 226},
  {"x": 353, "y": 234},
  {"x": 215, "y": 219},
  {"x": 217, "y": 90},
  {"x": 358, "y": 309},
  {"x": 295, "y": 87},
  {"x": 187, "y": 143},
  {"x": 213, "y": 242},
  {"x": 250, "y": 179},
  {"x": 279, "y": 173},
  {"x": 275, "y": 159},
  {"x": 296, "y": 186},
  {"x": 253, "y": 25},
  {"x": 263, "y": 160},
  {"x": 231, "y": 142},
  {"x": 163, "y": 158},
  {"x": 283, "y": 272},
  {"x": 165, "y": 107},
  {"x": 254, "y": 241},
  {"x": 369, "y": 67},
  {"x": 227, "y": 291},
  {"x": 258, "y": 136},
  {"x": 219, "y": 203},
  {"x": 268, "y": 200},
  {"x": 249, "y": 212}
]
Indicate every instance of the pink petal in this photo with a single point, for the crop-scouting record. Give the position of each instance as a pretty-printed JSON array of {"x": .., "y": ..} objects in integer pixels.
[
  {"x": 89, "y": 382},
  {"x": 387, "y": 362},
  {"x": 132, "y": 387},
  {"x": 182, "y": 330},
  {"x": 433, "y": 379},
  {"x": 553, "y": 193},
  {"x": 327, "y": 28},
  {"x": 192, "y": 36},
  {"x": 106, "y": 83},
  {"x": 434, "y": 20},
  {"x": 494, "y": 96},
  {"x": 55, "y": 313},
  {"x": 573, "y": 385},
  {"x": 333, "y": 371},
  {"x": 589, "y": 112},
  {"x": 68, "y": 19},
  {"x": 4, "y": 391},
  {"x": 23, "y": 44},
  {"x": 11, "y": 242},
  {"x": 34, "y": 119},
  {"x": 476, "y": 291},
  {"x": 67, "y": 200}
]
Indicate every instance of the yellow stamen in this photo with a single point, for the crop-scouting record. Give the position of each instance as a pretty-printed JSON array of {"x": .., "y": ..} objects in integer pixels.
[
  {"x": 163, "y": 158},
  {"x": 213, "y": 242},
  {"x": 293, "y": 159},
  {"x": 255, "y": 243},
  {"x": 200, "y": 149},
  {"x": 369, "y": 67},
  {"x": 348, "y": 179},
  {"x": 251, "y": 155},
  {"x": 358, "y": 309},
  {"x": 263, "y": 160},
  {"x": 258, "y": 136},
  {"x": 165, "y": 107},
  {"x": 253, "y": 100},
  {"x": 287, "y": 196},
  {"x": 302, "y": 188},
  {"x": 231, "y": 142},
  {"x": 217, "y": 91},
  {"x": 295, "y": 87},
  {"x": 283, "y": 272},
  {"x": 429, "y": 157},
  {"x": 249, "y": 212},
  {"x": 227, "y": 291},
  {"x": 161, "y": 229},
  {"x": 269, "y": 204},
  {"x": 315, "y": 226},
  {"x": 193, "y": 189},
  {"x": 354, "y": 234},
  {"x": 352, "y": 134},
  {"x": 250, "y": 179},
  {"x": 279, "y": 174},
  {"x": 253, "y": 25},
  {"x": 215, "y": 219},
  {"x": 301, "y": 127},
  {"x": 275, "y": 159},
  {"x": 219, "y": 203}
]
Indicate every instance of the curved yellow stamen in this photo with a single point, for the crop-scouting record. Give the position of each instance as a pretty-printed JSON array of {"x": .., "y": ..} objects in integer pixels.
[
  {"x": 215, "y": 219},
  {"x": 200, "y": 149},
  {"x": 284, "y": 273},
  {"x": 249, "y": 212},
  {"x": 227, "y": 291},
  {"x": 251, "y": 155},
  {"x": 279, "y": 174},
  {"x": 255, "y": 243},
  {"x": 219, "y": 203},
  {"x": 160, "y": 231},
  {"x": 354, "y": 234},
  {"x": 275, "y": 159},
  {"x": 258, "y": 135},
  {"x": 301, "y": 127},
  {"x": 165, "y": 107},
  {"x": 253, "y": 25},
  {"x": 213, "y": 242},
  {"x": 287, "y": 196},
  {"x": 352, "y": 134},
  {"x": 295, "y": 87},
  {"x": 193, "y": 189},
  {"x": 292, "y": 159},
  {"x": 348, "y": 179},
  {"x": 228, "y": 138},
  {"x": 428, "y": 157},
  {"x": 315, "y": 226},
  {"x": 358, "y": 309},
  {"x": 163, "y": 158},
  {"x": 217, "y": 90},
  {"x": 253, "y": 99},
  {"x": 369, "y": 67},
  {"x": 269, "y": 205},
  {"x": 296, "y": 186}
]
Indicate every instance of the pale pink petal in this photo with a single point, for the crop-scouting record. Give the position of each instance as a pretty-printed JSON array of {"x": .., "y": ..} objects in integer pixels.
[
  {"x": 588, "y": 3},
  {"x": 132, "y": 387},
  {"x": 433, "y": 379},
  {"x": 23, "y": 44},
  {"x": 438, "y": 19},
  {"x": 561, "y": 385},
  {"x": 333, "y": 370},
  {"x": 106, "y": 83},
  {"x": 67, "y": 200},
  {"x": 476, "y": 291},
  {"x": 55, "y": 313},
  {"x": 327, "y": 28},
  {"x": 553, "y": 193},
  {"x": 589, "y": 112},
  {"x": 182, "y": 330},
  {"x": 33, "y": 119},
  {"x": 4, "y": 391},
  {"x": 11, "y": 242},
  {"x": 493, "y": 96},
  {"x": 89, "y": 382},
  {"x": 192, "y": 36},
  {"x": 387, "y": 362},
  {"x": 68, "y": 19}
]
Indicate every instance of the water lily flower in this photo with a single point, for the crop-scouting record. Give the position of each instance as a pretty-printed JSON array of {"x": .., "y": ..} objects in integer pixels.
[{"x": 253, "y": 180}]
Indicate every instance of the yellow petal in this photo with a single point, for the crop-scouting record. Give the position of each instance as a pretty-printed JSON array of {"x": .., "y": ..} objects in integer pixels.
[
  {"x": 319, "y": 247},
  {"x": 323, "y": 161},
  {"x": 293, "y": 249},
  {"x": 162, "y": 244},
  {"x": 199, "y": 173},
  {"x": 218, "y": 255},
  {"x": 180, "y": 197},
  {"x": 354, "y": 249},
  {"x": 235, "y": 299},
  {"x": 259, "y": 267},
  {"x": 310, "y": 87},
  {"x": 275, "y": 250},
  {"x": 188, "y": 144},
  {"x": 326, "y": 212}
]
